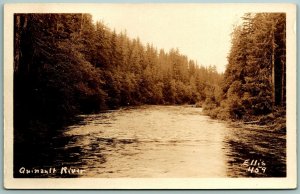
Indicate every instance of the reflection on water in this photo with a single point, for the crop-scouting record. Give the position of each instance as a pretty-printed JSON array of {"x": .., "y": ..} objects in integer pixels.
[{"x": 157, "y": 141}]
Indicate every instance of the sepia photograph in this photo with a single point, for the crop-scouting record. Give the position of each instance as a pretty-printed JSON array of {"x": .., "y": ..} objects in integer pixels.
[{"x": 173, "y": 96}]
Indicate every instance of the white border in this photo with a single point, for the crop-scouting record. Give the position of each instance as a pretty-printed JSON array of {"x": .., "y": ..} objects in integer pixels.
[{"x": 148, "y": 183}]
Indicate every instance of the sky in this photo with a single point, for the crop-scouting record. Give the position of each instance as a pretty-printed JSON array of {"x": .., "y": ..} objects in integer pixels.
[{"x": 202, "y": 33}]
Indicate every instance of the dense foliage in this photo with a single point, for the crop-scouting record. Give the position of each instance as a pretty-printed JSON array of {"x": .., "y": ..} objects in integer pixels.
[
  {"x": 64, "y": 65},
  {"x": 254, "y": 81}
]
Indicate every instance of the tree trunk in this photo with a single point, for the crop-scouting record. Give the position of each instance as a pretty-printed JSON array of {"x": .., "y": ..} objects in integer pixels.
[
  {"x": 273, "y": 67},
  {"x": 17, "y": 32}
]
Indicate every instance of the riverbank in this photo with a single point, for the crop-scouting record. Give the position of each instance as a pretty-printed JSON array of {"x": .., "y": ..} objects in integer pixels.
[{"x": 274, "y": 121}]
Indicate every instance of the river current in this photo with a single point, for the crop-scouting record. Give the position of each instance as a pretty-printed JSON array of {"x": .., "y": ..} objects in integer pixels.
[{"x": 160, "y": 141}]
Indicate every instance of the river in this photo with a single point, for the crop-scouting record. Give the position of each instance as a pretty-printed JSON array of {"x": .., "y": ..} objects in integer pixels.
[{"x": 161, "y": 141}]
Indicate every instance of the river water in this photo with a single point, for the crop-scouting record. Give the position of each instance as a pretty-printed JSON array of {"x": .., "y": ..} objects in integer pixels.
[{"x": 161, "y": 141}]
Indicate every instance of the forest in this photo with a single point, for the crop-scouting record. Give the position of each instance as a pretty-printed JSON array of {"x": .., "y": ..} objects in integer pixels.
[
  {"x": 66, "y": 65},
  {"x": 254, "y": 85}
]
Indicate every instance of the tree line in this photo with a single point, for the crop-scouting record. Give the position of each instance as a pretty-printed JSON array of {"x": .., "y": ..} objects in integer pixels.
[
  {"x": 65, "y": 65},
  {"x": 254, "y": 80}
]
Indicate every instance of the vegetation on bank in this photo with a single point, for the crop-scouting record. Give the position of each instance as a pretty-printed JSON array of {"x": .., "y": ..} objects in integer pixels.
[{"x": 253, "y": 89}]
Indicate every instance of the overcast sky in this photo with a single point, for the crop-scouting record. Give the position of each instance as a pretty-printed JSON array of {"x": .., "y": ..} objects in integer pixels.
[{"x": 203, "y": 33}]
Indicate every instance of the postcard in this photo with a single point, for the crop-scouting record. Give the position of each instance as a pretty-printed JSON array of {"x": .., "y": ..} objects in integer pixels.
[{"x": 150, "y": 96}]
